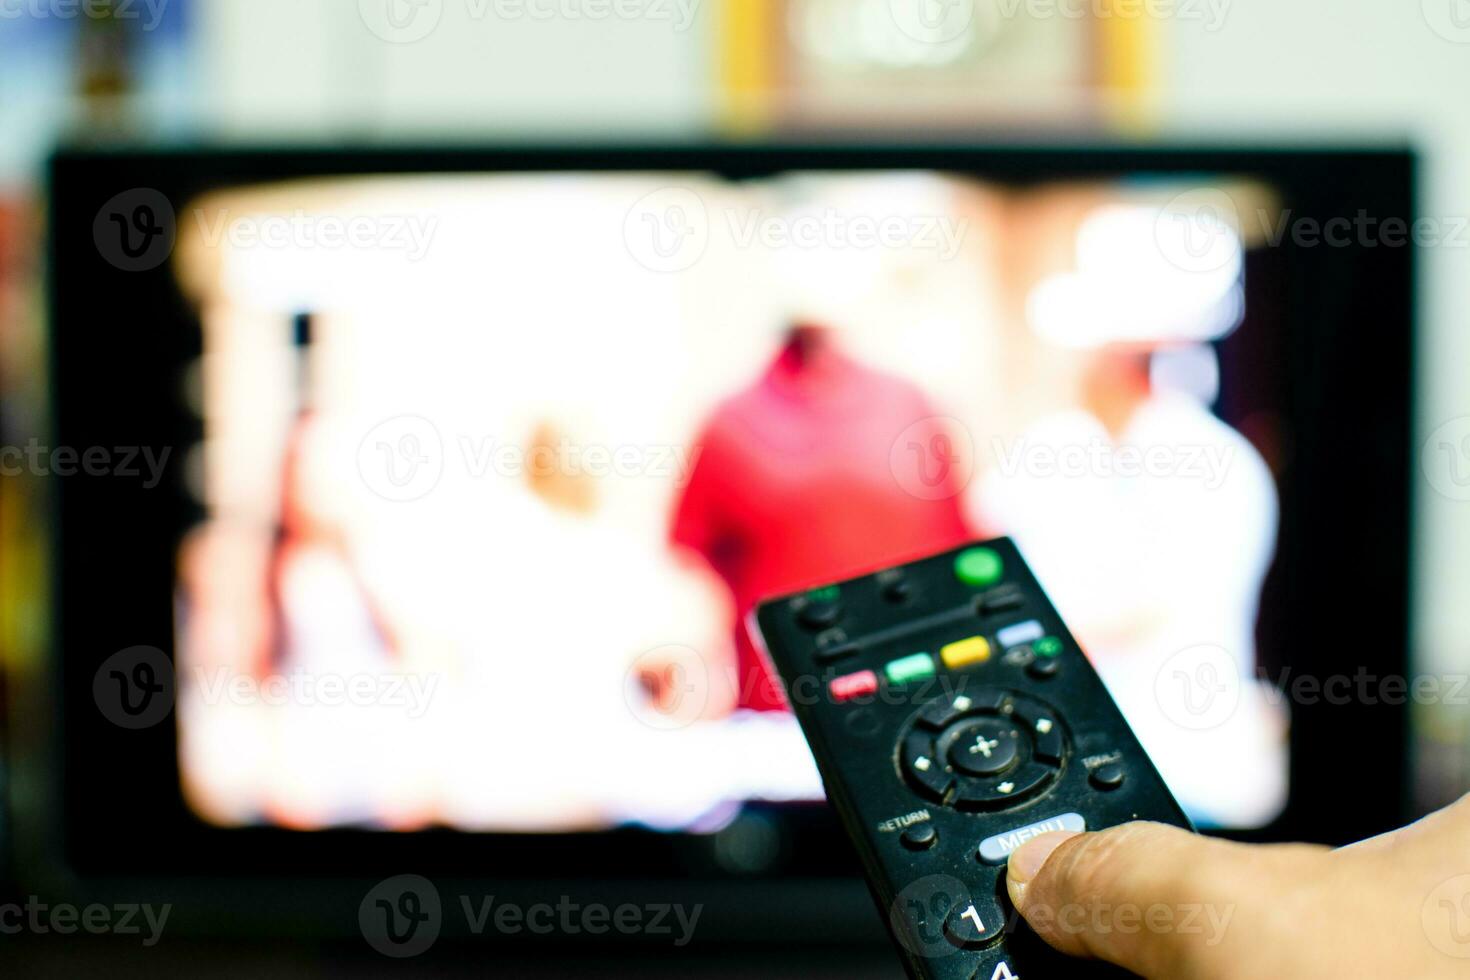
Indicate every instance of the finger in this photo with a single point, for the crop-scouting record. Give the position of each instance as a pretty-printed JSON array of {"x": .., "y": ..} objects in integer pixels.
[{"x": 1153, "y": 899}]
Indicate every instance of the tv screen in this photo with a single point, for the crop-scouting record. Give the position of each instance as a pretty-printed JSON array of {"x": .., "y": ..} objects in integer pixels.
[{"x": 461, "y": 433}]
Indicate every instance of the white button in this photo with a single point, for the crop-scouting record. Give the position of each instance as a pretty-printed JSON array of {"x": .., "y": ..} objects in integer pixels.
[{"x": 995, "y": 850}]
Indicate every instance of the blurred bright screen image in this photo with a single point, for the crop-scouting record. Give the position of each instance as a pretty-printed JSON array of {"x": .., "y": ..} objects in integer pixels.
[{"x": 494, "y": 466}]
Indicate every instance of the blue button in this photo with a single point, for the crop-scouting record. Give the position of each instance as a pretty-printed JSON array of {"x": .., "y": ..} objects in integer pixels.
[{"x": 1027, "y": 632}]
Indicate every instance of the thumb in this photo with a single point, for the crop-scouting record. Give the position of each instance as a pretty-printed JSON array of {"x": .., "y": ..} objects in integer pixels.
[{"x": 1153, "y": 899}]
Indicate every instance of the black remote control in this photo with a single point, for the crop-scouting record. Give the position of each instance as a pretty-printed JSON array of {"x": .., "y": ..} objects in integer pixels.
[{"x": 953, "y": 717}]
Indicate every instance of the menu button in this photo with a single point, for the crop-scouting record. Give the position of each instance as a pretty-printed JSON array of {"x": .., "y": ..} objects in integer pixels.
[{"x": 997, "y": 849}]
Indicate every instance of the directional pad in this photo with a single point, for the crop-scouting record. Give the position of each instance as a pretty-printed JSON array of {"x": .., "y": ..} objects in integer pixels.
[{"x": 986, "y": 749}]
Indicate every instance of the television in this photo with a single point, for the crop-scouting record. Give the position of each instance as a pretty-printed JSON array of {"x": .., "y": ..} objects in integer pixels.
[{"x": 433, "y": 485}]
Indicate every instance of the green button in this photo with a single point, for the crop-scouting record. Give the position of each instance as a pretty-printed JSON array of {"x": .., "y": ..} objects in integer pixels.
[
  {"x": 830, "y": 593},
  {"x": 1047, "y": 646},
  {"x": 978, "y": 567},
  {"x": 910, "y": 668}
]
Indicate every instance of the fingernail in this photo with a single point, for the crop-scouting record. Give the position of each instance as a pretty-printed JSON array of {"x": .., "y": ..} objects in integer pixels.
[{"x": 1026, "y": 861}]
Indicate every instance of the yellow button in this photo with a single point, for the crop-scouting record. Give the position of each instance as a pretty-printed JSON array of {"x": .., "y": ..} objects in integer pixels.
[{"x": 975, "y": 650}]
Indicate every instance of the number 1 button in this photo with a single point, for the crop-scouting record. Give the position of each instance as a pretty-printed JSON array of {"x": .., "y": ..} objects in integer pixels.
[{"x": 970, "y": 926}]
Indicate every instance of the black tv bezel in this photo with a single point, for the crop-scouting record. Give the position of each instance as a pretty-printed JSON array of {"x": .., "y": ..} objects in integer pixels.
[{"x": 119, "y": 341}]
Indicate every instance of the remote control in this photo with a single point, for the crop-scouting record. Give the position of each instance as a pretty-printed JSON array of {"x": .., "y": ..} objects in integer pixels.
[{"x": 953, "y": 718}]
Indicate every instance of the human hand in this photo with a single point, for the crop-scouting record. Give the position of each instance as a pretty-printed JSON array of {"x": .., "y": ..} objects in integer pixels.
[{"x": 1165, "y": 903}]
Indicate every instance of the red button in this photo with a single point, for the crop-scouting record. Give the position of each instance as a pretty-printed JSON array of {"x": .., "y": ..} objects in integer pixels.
[{"x": 854, "y": 686}]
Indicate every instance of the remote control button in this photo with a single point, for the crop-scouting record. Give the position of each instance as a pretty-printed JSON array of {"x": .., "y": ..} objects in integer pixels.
[
  {"x": 851, "y": 686},
  {"x": 1108, "y": 777},
  {"x": 1014, "y": 636},
  {"x": 895, "y": 586},
  {"x": 1044, "y": 668},
  {"x": 966, "y": 653},
  {"x": 1007, "y": 598},
  {"x": 986, "y": 748},
  {"x": 920, "y": 838},
  {"x": 819, "y": 615},
  {"x": 1047, "y": 646},
  {"x": 833, "y": 645},
  {"x": 997, "y": 794},
  {"x": 924, "y": 767},
  {"x": 972, "y": 925},
  {"x": 980, "y": 567},
  {"x": 1046, "y": 732},
  {"x": 997, "y": 849},
  {"x": 907, "y": 669},
  {"x": 942, "y": 712}
]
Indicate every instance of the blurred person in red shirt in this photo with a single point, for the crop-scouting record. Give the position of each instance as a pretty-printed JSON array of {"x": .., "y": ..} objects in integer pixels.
[{"x": 822, "y": 469}]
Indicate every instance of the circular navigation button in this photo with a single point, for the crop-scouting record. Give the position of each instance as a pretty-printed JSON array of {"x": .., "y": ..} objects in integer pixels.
[
  {"x": 986, "y": 748},
  {"x": 978, "y": 567},
  {"x": 920, "y": 838},
  {"x": 1107, "y": 777}
]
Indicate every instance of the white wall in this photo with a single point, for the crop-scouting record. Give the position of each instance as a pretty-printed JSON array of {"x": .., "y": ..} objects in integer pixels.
[{"x": 317, "y": 67}]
